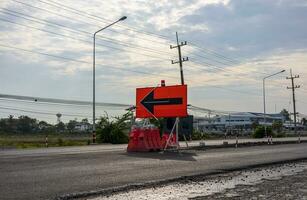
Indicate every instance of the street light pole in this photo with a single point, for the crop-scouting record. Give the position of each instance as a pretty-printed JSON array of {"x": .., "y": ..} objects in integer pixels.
[
  {"x": 264, "y": 111},
  {"x": 94, "y": 86}
]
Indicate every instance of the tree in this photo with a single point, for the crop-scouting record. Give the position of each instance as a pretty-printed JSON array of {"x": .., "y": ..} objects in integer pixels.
[
  {"x": 277, "y": 126},
  {"x": 304, "y": 121},
  {"x": 85, "y": 120},
  {"x": 71, "y": 125},
  {"x": 285, "y": 114},
  {"x": 60, "y": 127},
  {"x": 26, "y": 124},
  {"x": 11, "y": 124},
  {"x": 260, "y": 132},
  {"x": 255, "y": 124},
  {"x": 3, "y": 125},
  {"x": 45, "y": 127}
]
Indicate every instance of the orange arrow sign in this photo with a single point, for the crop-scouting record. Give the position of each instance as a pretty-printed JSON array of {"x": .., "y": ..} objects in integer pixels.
[{"x": 169, "y": 101}]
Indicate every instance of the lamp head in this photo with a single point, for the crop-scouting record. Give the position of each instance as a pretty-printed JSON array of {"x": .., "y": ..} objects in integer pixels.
[{"x": 122, "y": 18}]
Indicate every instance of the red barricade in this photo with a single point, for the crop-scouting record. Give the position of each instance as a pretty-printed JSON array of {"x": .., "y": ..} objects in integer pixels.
[
  {"x": 142, "y": 144},
  {"x": 148, "y": 139},
  {"x": 144, "y": 139},
  {"x": 133, "y": 139},
  {"x": 156, "y": 138},
  {"x": 165, "y": 137}
]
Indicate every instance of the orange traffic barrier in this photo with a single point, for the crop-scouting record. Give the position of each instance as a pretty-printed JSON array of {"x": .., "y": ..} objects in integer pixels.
[
  {"x": 165, "y": 138},
  {"x": 144, "y": 139},
  {"x": 133, "y": 139}
]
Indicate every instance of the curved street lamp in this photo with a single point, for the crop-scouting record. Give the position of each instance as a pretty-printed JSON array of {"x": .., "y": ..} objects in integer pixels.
[
  {"x": 94, "y": 117},
  {"x": 264, "y": 111}
]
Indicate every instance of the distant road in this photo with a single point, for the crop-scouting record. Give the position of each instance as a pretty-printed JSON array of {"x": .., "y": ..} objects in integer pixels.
[{"x": 47, "y": 173}]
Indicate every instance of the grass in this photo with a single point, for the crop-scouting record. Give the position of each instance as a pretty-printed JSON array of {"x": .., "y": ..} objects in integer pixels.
[{"x": 38, "y": 140}]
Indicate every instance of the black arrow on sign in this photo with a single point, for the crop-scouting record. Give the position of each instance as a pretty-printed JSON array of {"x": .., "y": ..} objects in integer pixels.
[{"x": 149, "y": 101}]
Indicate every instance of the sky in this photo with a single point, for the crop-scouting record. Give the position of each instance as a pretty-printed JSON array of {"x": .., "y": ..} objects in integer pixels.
[{"x": 46, "y": 51}]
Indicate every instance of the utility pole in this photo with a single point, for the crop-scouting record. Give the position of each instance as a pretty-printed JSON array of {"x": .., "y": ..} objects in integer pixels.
[
  {"x": 180, "y": 60},
  {"x": 293, "y": 87}
]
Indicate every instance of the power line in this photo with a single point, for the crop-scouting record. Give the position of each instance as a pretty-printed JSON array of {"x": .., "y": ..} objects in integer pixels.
[
  {"x": 46, "y": 117},
  {"x": 221, "y": 68},
  {"x": 214, "y": 53},
  {"x": 80, "y": 13},
  {"x": 80, "y": 61},
  {"x": 45, "y": 54},
  {"x": 214, "y": 60},
  {"x": 57, "y": 104},
  {"x": 104, "y": 40},
  {"x": 60, "y": 101},
  {"x": 134, "y": 71},
  {"x": 83, "y": 13},
  {"x": 207, "y": 64},
  {"x": 191, "y": 107},
  {"x": 86, "y": 41},
  {"x": 216, "y": 69},
  {"x": 95, "y": 17},
  {"x": 40, "y": 112}
]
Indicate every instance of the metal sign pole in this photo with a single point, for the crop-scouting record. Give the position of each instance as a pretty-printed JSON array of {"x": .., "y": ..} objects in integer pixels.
[{"x": 172, "y": 133}]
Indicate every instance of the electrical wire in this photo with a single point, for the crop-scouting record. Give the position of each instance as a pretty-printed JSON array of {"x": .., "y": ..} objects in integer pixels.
[
  {"x": 78, "y": 39},
  {"x": 74, "y": 60},
  {"x": 99, "y": 18},
  {"x": 80, "y": 13},
  {"x": 40, "y": 112}
]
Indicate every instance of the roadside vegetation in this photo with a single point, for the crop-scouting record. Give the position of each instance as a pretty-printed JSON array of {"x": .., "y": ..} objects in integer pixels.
[
  {"x": 275, "y": 130},
  {"x": 114, "y": 131},
  {"x": 26, "y": 132},
  {"x": 13, "y": 140}
]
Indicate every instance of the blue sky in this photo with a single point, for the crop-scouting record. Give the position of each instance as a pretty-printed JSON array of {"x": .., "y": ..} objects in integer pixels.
[{"x": 240, "y": 41}]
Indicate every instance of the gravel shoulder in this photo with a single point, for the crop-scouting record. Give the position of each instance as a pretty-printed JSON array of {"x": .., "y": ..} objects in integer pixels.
[
  {"x": 282, "y": 188},
  {"x": 279, "y": 181}
]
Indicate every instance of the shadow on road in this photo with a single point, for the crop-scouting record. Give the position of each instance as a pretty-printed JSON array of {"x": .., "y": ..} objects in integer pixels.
[{"x": 183, "y": 156}]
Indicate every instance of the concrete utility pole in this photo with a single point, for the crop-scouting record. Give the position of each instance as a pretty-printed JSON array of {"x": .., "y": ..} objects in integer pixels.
[
  {"x": 293, "y": 87},
  {"x": 180, "y": 60}
]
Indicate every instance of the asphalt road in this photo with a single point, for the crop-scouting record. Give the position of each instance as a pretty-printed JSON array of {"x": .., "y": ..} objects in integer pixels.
[
  {"x": 48, "y": 175},
  {"x": 122, "y": 147}
]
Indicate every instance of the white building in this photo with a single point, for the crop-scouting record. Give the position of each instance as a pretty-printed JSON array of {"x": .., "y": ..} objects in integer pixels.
[
  {"x": 82, "y": 126},
  {"x": 241, "y": 120}
]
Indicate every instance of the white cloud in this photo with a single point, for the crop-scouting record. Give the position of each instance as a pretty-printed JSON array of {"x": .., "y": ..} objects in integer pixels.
[{"x": 268, "y": 36}]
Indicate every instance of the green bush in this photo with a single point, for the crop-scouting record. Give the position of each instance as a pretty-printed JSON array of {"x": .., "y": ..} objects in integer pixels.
[
  {"x": 277, "y": 126},
  {"x": 281, "y": 134},
  {"x": 198, "y": 135},
  {"x": 60, "y": 142},
  {"x": 118, "y": 136},
  {"x": 260, "y": 132},
  {"x": 114, "y": 132}
]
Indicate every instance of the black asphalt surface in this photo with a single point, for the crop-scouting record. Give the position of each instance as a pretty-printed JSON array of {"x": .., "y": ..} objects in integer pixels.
[{"x": 44, "y": 176}]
